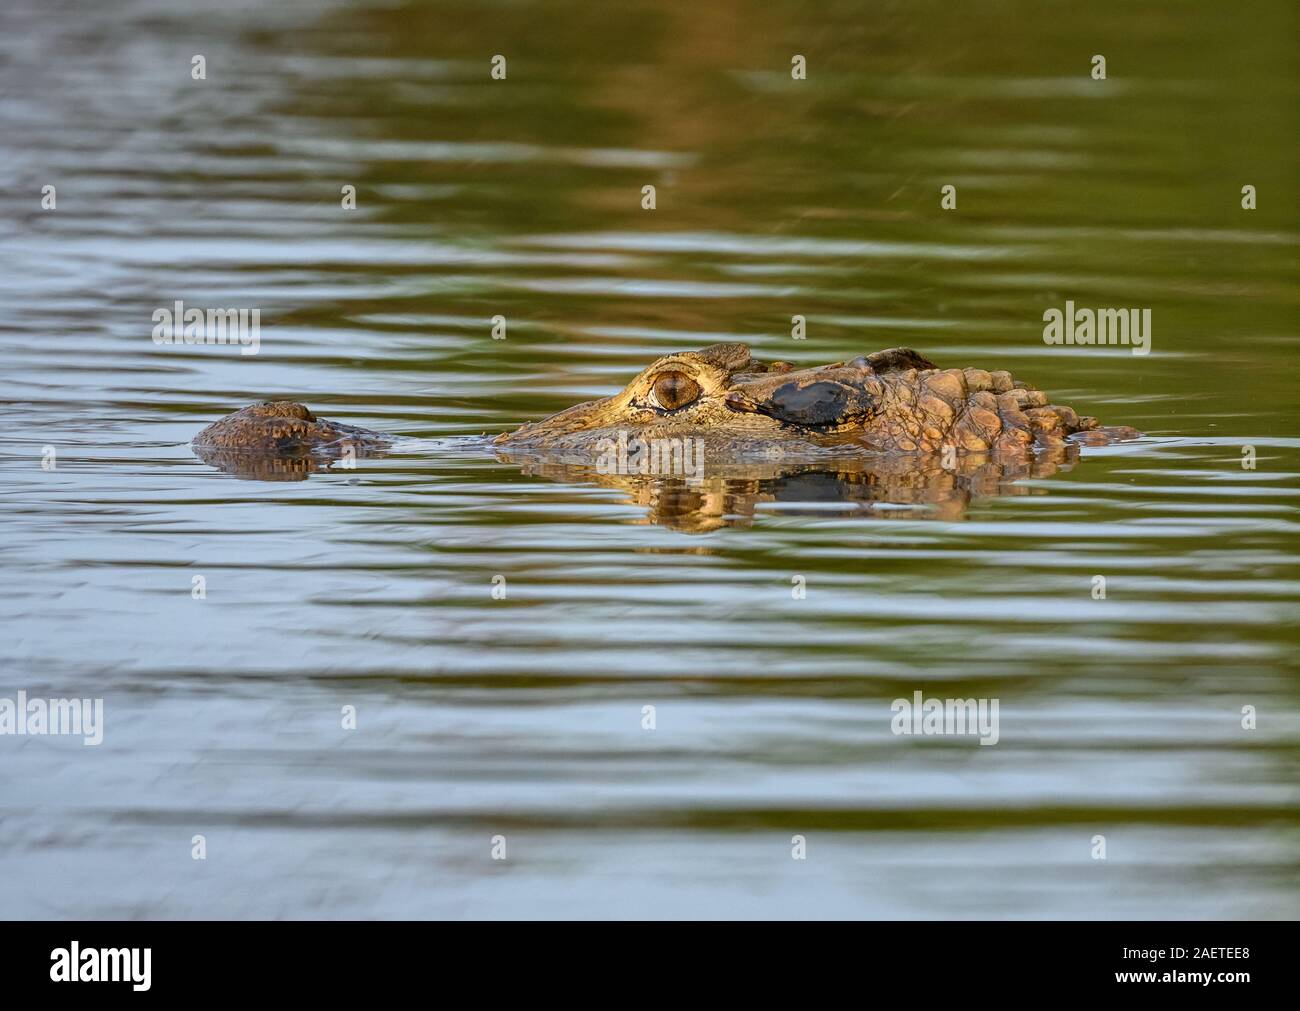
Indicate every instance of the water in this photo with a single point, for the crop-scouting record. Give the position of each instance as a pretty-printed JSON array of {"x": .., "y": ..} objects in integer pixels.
[{"x": 522, "y": 717}]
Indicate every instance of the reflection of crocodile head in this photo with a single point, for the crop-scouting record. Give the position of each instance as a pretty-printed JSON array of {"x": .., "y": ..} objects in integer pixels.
[
  {"x": 701, "y": 437},
  {"x": 874, "y": 485}
]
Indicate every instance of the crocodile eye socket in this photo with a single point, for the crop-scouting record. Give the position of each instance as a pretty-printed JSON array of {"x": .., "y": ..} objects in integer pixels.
[{"x": 673, "y": 390}]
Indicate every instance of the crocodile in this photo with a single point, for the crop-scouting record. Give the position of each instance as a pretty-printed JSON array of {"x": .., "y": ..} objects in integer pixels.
[{"x": 889, "y": 427}]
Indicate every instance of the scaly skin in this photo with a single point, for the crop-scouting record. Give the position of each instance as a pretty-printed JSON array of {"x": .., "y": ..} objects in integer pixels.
[
  {"x": 894, "y": 401},
  {"x": 284, "y": 428}
]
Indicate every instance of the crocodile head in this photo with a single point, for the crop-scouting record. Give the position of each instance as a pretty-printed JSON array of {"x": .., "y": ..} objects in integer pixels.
[{"x": 894, "y": 401}]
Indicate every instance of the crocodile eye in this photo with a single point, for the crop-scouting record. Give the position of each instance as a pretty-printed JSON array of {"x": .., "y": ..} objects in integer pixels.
[{"x": 673, "y": 390}]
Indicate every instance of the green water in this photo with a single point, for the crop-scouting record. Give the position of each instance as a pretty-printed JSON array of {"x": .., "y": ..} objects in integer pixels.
[{"x": 523, "y": 717}]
